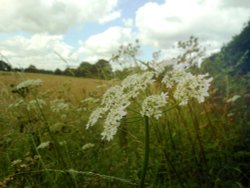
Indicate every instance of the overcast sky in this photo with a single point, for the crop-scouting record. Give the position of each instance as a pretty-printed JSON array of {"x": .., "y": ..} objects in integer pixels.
[{"x": 33, "y": 31}]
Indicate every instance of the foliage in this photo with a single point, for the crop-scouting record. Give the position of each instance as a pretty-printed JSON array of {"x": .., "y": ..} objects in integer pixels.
[
  {"x": 4, "y": 66},
  {"x": 101, "y": 69},
  {"x": 231, "y": 66}
]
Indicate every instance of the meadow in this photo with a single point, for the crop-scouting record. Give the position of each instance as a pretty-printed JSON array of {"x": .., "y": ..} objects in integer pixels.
[{"x": 152, "y": 129}]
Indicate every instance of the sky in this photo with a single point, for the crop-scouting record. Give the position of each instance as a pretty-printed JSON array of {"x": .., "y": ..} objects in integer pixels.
[{"x": 42, "y": 32}]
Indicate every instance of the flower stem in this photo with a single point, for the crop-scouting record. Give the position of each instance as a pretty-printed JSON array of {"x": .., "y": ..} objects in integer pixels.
[{"x": 146, "y": 152}]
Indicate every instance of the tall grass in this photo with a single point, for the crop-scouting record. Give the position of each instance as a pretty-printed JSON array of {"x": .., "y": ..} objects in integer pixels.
[{"x": 195, "y": 146}]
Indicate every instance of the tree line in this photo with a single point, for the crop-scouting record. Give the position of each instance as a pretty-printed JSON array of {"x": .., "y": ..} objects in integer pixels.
[{"x": 101, "y": 69}]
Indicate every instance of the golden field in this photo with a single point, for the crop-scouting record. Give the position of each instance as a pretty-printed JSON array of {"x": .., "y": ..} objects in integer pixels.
[{"x": 72, "y": 88}]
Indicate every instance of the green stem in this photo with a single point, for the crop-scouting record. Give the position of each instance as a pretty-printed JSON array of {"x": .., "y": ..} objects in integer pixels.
[{"x": 146, "y": 153}]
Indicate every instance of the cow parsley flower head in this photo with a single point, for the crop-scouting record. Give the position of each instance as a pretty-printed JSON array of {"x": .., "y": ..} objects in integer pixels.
[
  {"x": 109, "y": 132},
  {"x": 113, "y": 105},
  {"x": 151, "y": 106},
  {"x": 160, "y": 67},
  {"x": 146, "y": 79},
  {"x": 192, "y": 87},
  {"x": 29, "y": 84},
  {"x": 59, "y": 105},
  {"x": 95, "y": 115},
  {"x": 134, "y": 84},
  {"x": 111, "y": 96},
  {"x": 25, "y": 87},
  {"x": 174, "y": 76},
  {"x": 113, "y": 118},
  {"x": 115, "y": 101},
  {"x": 117, "y": 98}
]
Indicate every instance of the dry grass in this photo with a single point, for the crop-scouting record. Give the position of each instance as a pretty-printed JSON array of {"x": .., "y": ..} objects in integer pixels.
[{"x": 70, "y": 87}]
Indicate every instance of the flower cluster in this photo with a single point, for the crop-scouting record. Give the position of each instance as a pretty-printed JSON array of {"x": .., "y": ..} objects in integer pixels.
[
  {"x": 59, "y": 105},
  {"x": 29, "y": 84},
  {"x": 174, "y": 76},
  {"x": 25, "y": 87},
  {"x": 113, "y": 119},
  {"x": 152, "y": 104},
  {"x": 134, "y": 84},
  {"x": 192, "y": 87},
  {"x": 115, "y": 101},
  {"x": 95, "y": 115},
  {"x": 183, "y": 85}
]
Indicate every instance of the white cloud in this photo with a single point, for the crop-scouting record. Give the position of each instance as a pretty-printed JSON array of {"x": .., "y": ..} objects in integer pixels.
[
  {"x": 104, "y": 44},
  {"x": 235, "y": 3},
  {"x": 112, "y": 16},
  {"x": 159, "y": 26},
  {"x": 214, "y": 22},
  {"x": 53, "y": 16},
  {"x": 128, "y": 22},
  {"x": 38, "y": 50},
  {"x": 41, "y": 49}
]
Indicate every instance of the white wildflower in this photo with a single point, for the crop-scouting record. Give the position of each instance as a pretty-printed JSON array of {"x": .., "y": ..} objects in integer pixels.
[
  {"x": 151, "y": 106},
  {"x": 175, "y": 76},
  {"x": 111, "y": 96},
  {"x": 109, "y": 132},
  {"x": 87, "y": 146},
  {"x": 44, "y": 145},
  {"x": 95, "y": 115},
  {"x": 160, "y": 68},
  {"x": 145, "y": 80},
  {"x": 192, "y": 87},
  {"x": 115, "y": 101},
  {"x": 233, "y": 99},
  {"x": 113, "y": 119},
  {"x": 134, "y": 84},
  {"x": 29, "y": 84},
  {"x": 129, "y": 82},
  {"x": 59, "y": 105}
]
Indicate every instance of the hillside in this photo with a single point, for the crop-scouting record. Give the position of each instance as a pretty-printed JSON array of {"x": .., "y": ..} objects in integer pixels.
[
  {"x": 234, "y": 57},
  {"x": 231, "y": 66}
]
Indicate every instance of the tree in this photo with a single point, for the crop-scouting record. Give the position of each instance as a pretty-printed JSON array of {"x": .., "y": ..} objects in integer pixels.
[
  {"x": 70, "y": 71},
  {"x": 58, "y": 72},
  {"x": 31, "y": 68},
  {"x": 104, "y": 69},
  {"x": 230, "y": 67},
  {"x": 237, "y": 52},
  {"x": 4, "y": 66},
  {"x": 84, "y": 69}
]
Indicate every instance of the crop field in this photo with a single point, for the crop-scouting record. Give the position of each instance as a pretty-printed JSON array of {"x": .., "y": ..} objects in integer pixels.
[
  {"x": 44, "y": 141},
  {"x": 77, "y": 88}
]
